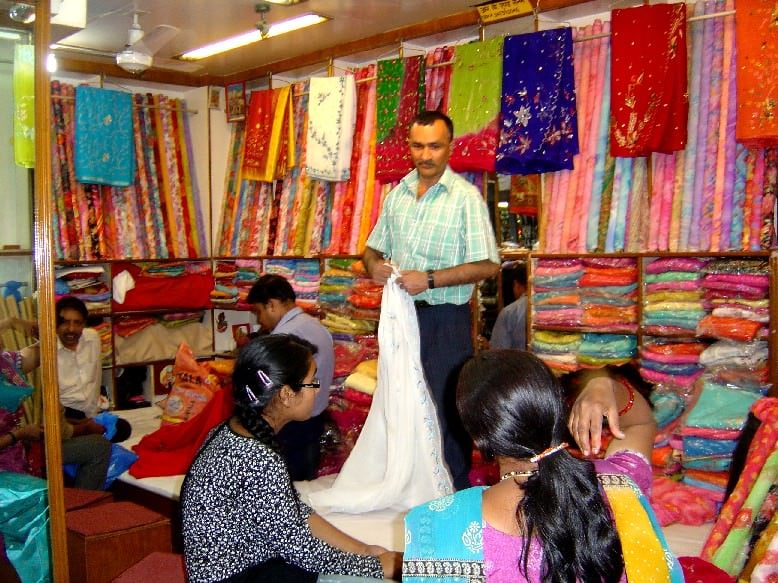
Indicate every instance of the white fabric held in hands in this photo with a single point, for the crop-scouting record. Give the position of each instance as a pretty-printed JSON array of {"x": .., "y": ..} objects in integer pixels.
[{"x": 397, "y": 461}]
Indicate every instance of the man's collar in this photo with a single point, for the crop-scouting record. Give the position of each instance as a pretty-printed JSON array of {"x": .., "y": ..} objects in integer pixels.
[{"x": 446, "y": 181}]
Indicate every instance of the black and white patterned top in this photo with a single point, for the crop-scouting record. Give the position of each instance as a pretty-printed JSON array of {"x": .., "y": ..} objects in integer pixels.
[{"x": 239, "y": 510}]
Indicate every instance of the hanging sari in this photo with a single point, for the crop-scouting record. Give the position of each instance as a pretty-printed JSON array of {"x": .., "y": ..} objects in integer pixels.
[
  {"x": 332, "y": 108},
  {"x": 399, "y": 90},
  {"x": 539, "y": 130},
  {"x": 268, "y": 128},
  {"x": 757, "y": 73},
  {"x": 105, "y": 152},
  {"x": 648, "y": 79},
  {"x": 474, "y": 105}
]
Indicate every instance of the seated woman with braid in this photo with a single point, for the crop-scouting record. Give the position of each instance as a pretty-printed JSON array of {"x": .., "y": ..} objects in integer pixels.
[
  {"x": 552, "y": 517},
  {"x": 242, "y": 518}
]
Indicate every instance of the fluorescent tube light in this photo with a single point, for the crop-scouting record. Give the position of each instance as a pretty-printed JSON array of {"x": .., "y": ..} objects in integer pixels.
[{"x": 253, "y": 36}]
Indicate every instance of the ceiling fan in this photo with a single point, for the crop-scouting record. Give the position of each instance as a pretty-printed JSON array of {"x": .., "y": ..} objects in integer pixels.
[{"x": 138, "y": 54}]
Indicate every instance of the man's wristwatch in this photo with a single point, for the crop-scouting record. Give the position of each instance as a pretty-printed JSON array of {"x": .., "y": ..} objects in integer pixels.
[{"x": 430, "y": 279}]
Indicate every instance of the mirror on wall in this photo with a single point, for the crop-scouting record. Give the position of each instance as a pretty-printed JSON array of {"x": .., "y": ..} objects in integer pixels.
[
  {"x": 516, "y": 218},
  {"x": 24, "y": 496}
]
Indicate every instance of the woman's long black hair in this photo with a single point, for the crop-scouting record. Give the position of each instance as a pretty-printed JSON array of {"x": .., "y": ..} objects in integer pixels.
[
  {"x": 264, "y": 365},
  {"x": 511, "y": 404}
]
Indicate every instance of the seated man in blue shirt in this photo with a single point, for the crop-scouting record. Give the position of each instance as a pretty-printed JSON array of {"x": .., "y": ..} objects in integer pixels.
[
  {"x": 272, "y": 301},
  {"x": 510, "y": 329}
]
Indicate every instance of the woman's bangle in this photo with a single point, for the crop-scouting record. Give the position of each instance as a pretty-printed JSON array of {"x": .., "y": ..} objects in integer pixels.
[
  {"x": 13, "y": 437},
  {"x": 630, "y": 400}
]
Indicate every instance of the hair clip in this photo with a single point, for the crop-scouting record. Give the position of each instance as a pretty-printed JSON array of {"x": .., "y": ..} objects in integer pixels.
[
  {"x": 264, "y": 379},
  {"x": 252, "y": 397},
  {"x": 548, "y": 452}
]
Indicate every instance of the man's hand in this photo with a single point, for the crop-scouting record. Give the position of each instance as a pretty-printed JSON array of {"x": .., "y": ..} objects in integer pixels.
[
  {"x": 380, "y": 271},
  {"x": 414, "y": 282},
  {"x": 86, "y": 427}
]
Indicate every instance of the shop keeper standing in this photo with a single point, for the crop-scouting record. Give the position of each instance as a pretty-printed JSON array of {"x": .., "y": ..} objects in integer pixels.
[{"x": 434, "y": 226}]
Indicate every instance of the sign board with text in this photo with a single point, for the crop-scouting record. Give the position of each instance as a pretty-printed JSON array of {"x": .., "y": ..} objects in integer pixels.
[{"x": 498, "y": 11}]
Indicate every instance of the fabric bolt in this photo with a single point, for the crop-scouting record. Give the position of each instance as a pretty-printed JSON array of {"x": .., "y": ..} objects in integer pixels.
[
  {"x": 757, "y": 69},
  {"x": 733, "y": 552},
  {"x": 539, "y": 130},
  {"x": 399, "y": 89},
  {"x": 332, "y": 118},
  {"x": 650, "y": 106},
  {"x": 599, "y": 178},
  {"x": 712, "y": 131},
  {"x": 474, "y": 105},
  {"x": 104, "y": 149}
]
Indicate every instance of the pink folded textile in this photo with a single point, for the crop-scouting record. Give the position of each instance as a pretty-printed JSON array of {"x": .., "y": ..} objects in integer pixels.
[
  {"x": 666, "y": 264},
  {"x": 674, "y": 502},
  {"x": 670, "y": 379}
]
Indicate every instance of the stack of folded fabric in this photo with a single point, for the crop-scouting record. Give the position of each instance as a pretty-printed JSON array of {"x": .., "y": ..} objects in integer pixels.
[
  {"x": 673, "y": 301},
  {"x": 738, "y": 291},
  {"x": 87, "y": 283},
  {"x": 608, "y": 290},
  {"x": 358, "y": 313},
  {"x": 555, "y": 298},
  {"x": 738, "y": 364},
  {"x": 303, "y": 275},
  {"x": 557, "y": 349},
  {"x": 711, "y": 432},
  {"x": 225, "y": 292},
  {"x": 233, "y": 281},
  {"x": 598, "y": 350},
  {"x": 336, "y": 283},
  {"x": 671, "y": 361}
]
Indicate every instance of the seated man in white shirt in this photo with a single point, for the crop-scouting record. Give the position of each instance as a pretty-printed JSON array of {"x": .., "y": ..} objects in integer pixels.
[{"x": 79, "y": 364}]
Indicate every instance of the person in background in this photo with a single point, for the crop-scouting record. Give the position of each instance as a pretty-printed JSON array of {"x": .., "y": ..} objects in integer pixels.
[
  {"x": 242, "y": 517},
  {"x": 79, "y": 365},
  {"x": 434, "y": 227},
  {"x": 552, "y": 517},
  {"x": 82, "y": 442},
  {"x": 510, "y": 329},
  {"x": 272, "y": 301}
]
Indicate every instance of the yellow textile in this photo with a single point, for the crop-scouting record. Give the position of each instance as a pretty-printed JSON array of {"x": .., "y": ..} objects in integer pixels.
[
  {"x": 644, "y": 557},
  {"x": 24, "y": 105},
  {"x": 368, "y": 367},
  {"x": 361, "y": 382}
]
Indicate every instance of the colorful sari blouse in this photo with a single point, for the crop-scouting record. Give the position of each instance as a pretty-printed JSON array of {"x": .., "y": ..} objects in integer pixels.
[{"x": 445, "y": 539}]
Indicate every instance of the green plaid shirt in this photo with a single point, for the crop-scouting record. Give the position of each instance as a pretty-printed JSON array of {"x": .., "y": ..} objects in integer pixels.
[{"x": 448, "y": 226}]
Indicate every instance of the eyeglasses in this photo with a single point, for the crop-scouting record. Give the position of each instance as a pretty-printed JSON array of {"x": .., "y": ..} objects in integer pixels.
[{"x": 314, "y": 384}]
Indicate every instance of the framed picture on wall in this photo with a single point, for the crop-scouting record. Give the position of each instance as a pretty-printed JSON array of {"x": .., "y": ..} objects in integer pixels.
[
  {"x": 236, "y": 102},
  {"x": 214, "y": 97}
]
